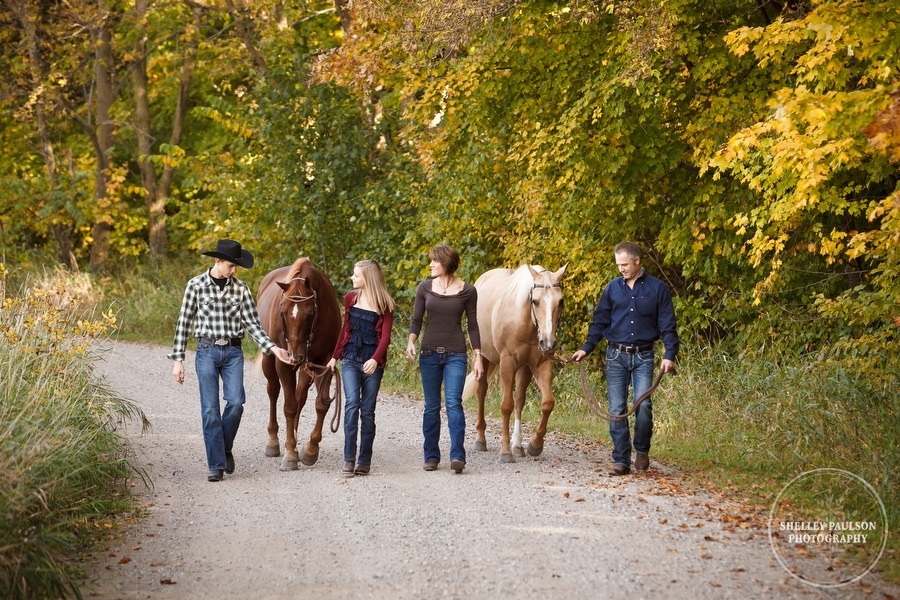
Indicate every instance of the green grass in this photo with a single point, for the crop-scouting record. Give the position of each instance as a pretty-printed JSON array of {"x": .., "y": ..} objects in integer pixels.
[
  {"x": 146, "y": 298},
  {"x": 750, "y": 425}
]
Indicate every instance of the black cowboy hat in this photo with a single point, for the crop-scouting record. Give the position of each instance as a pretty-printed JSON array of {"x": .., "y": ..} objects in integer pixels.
[{"x": 231, "y": 251}]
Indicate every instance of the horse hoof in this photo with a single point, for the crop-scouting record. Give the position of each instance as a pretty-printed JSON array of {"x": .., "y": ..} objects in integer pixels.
[
  {"x": 519, "y": 451},
  {"x": 507, "y": 457},
  {"x": 534, "y": 451},
  {"x": 481, "y": 445},
  {"x": 273, "y": 450},
  {"x": 309, "y": 459},
  {"x": 288, "y": 465}
]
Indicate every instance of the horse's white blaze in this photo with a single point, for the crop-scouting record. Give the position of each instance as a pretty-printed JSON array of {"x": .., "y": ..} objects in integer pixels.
[
  {"x": 548, "y": 316},
  {"x": 295, "y": 312},
  {"x": 516, "y": 440}
]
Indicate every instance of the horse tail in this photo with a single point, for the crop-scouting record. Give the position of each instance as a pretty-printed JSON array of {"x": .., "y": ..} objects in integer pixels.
[
  {"x": 489, "y": 370},
  {"x": 469, "y": 388},
  {"x": 257, "y": 365}
]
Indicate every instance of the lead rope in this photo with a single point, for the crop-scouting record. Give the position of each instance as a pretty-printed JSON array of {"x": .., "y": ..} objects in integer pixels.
[
  {"x": 324, "y": 371},
  {"x": 591, "y": 401},
  {"x": 595, "y": 406}
]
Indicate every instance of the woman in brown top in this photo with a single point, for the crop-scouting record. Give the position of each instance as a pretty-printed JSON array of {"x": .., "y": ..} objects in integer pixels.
[{"x": 443, "y": 357}]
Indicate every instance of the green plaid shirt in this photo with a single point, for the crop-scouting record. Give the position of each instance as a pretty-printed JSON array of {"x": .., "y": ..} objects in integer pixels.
[{"x": 217, "y": 313}]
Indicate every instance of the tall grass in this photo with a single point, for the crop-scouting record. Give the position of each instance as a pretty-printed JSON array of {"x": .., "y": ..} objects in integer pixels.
[
  {"x": 778, "y": 418},
  {"x": 146, "y": 297},
  {"x": 63, "y": 463}
]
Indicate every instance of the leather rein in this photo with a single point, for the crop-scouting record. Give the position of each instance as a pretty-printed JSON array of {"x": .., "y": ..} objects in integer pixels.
[
  {"x": 606, "y": 416},
  {"x": 591, "y": 400},
  {"x": 317, "y": 372}
]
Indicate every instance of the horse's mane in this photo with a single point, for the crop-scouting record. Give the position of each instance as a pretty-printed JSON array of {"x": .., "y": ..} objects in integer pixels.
[
  {"x": 296, "y": 268},
  {"x": 522, "y": 283}
]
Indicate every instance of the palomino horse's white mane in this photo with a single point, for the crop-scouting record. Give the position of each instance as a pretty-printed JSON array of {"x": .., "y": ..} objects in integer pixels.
[{"x": 523, "y": 282}]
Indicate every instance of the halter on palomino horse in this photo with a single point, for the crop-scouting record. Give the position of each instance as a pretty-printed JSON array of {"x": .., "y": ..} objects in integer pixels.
[
  {"x": 518, "y": 311},
  {"x": 299, "y": 310}
]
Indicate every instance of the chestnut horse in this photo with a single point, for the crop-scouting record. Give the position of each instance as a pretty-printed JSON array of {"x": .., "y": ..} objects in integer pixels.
[
  {"x": 299, "y": 310},
  {"x": 518, "y": 312}
]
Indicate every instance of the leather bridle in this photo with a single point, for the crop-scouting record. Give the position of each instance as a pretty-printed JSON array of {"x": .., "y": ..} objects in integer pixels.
[
  {"x": 531, "y": 299},
  {"x": 315, "y": 315}
]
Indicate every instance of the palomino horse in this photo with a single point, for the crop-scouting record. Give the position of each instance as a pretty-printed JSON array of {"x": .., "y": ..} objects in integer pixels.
[
  {"x": 518, "y": 311},
  {"x": 299, "y": 310}
]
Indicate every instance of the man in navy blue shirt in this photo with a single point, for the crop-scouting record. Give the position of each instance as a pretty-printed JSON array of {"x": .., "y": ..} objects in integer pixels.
[{"x": 634, "y": 311}]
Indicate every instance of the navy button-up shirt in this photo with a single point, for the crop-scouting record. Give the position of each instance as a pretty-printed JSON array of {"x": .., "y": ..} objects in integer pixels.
[{"x": 635, "y": 316}]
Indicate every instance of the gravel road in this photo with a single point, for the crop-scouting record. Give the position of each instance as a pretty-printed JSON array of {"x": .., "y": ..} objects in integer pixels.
[{"x": 556, "y": 526}]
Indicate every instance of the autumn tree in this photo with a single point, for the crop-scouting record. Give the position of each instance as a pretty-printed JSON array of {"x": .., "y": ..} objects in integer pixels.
[
  {"x": 20, "y": 29},
  {"x": 823, "y": 163}
]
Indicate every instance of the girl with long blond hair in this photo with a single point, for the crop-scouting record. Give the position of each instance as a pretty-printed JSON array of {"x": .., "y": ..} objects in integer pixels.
[{"x": 362, "y": 349}]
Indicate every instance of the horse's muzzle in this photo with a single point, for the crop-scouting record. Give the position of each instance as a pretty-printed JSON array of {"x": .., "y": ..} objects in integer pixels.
[{"x": 545, "y": 346}]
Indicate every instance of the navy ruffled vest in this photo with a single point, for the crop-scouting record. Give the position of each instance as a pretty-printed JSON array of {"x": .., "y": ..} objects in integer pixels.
[{"x": 363, "y": 335}]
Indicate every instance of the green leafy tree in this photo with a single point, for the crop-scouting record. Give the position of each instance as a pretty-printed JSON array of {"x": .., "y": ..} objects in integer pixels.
[{"x": 548, "y": 132}]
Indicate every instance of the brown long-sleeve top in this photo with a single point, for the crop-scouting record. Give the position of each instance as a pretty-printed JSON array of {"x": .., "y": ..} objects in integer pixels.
[{"x": 444, "y": 327}]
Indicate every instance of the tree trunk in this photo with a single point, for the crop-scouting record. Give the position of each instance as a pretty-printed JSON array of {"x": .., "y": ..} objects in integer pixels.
[
  {"x": 181, "y": 107},
  {"x": 246, "y": 33},
  {"x": 344, "y": 11},
  {"x": 156, "y": 223},
  {"x": 158, "y": 190},
  {"x": 104, "y": 70},
  {"x": 63, "y": 227}
]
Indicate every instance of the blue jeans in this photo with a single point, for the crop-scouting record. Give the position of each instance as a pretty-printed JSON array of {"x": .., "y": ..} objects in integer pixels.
[
  {"x": 449, "y": 370},
  {"x": 219, "y": 428},
  {"x": 361, "y": 392},
  {"x": 623, "y": 369}
]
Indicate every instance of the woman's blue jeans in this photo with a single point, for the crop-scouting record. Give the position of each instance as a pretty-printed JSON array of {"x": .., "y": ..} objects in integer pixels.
[
  {"x": 449, "y": 370},
  {"x": 622, "y": 370},
  {"x": 361, "y": 393},
  {"x": 220, "y": 428}
]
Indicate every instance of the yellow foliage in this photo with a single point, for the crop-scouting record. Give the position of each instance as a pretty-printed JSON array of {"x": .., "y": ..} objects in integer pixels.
[{"x": 42, "y": 318}]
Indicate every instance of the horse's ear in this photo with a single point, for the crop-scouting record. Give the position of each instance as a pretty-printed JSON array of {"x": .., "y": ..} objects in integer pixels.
[
  {"x": 558, "y": 275},
  {"x": 282, "y": 285}
]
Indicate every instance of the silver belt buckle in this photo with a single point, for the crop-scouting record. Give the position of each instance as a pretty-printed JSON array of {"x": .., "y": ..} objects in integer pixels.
[
  {"x": 222, "y": 342},
  {"x": 440, "y": 350}
]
